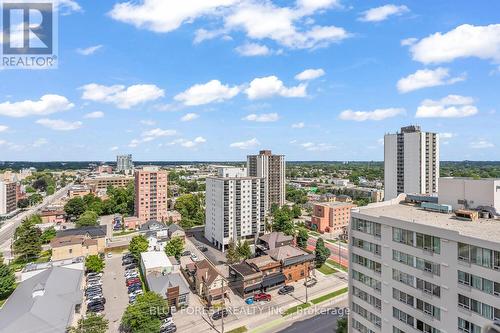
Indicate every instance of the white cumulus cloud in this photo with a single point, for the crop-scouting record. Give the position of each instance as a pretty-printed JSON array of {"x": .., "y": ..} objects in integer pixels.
[
  {"x": 311, "y": 146},
  {"x": 121, "y": 96},
  {"x": 94, "y": 115},
  {"x": 212, "y": 91},
  {"x": 382, "y": 13},
  {"x": 3, "y": 128},
  {"x": 248, "y": 144},
  {"x": 425, "y": 78},
  {"x": 47, "y": 104},
  {"x": 59, "y": 125},
  {"x": 310, "y": 74},
  {"x": 262, "y": 118},
  {"x": 189, "y": 143},
  {"x": 298, "y": 125},
  {"x": 378, "y": 114},
  {"x": 481, "y": 144},
  {"x": 189, "y": 117},
  {"x": 451, "y": 106},
  {"x": 252, "y": 50},
  {"x": 270, "y": 86},
  {"x": 462, "y": 42}
]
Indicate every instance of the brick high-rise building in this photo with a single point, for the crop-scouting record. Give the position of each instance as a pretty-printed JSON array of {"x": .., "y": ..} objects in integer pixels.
[
  {"x": 272, "y": 169},
  {"x": 8, "y": 197},
  {"x": 151, "y": 194}
]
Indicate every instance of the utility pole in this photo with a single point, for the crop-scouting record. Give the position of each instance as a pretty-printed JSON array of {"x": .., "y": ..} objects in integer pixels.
[
  {"x": 223, "y": 305},
  {"x": 340, "y": 260}
]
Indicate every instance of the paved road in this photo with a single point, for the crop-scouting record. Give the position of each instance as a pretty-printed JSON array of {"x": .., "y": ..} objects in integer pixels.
[
  {"x": 322, "y": 323},
  {"x": 115, "y": 292},
  {"x": 334, "y": 249},
  {"x": 9, "y": 226}
]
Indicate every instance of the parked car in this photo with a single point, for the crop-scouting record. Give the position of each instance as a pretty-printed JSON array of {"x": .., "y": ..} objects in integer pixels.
[
  {"x": 194, "y": 257},
  {"x": 97, "y": 308},
  {"x": 128, "y": 255},
  {"x": 219, "y": 314},
  {"x": 261, "y": 297},
  {"x": 310, "y": 282},
  {"x": 134, "y": 288},
  {"x": 169, "y": 329},
  {"x": 136, "y": 292},
  {"x": 203, "y": 248},
  {"x": 132, "y": 281},
  {"x": 286, "y": 290},
  {"x": 131, "y": 266},
  {"x": 96, "y": 300},
  {"x": 186, "y": 253},
  {"x": 94, "y": 274}
]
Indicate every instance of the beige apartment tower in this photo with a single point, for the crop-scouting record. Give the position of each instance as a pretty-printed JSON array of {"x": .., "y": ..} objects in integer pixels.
[
  {"x": 411, "y": 162},
  {"x": 151, "y": 194},
  {"x": 272, "y": 169}
]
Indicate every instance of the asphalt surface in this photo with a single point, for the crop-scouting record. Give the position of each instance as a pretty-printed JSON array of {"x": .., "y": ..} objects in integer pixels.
[
  {"x": 322, "y": 323},
  {"x": 115, "y": 291},
  {"x": 9, "y": 226}
]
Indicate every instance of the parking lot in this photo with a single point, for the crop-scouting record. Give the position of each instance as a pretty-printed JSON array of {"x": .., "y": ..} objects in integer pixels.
[{"x": 114, "y": 291}]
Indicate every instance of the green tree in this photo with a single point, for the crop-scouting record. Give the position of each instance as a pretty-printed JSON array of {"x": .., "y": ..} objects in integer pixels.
[
  {"x": 7, "y": 280},
  {"x": 48, "y": 235},
  {"x": 296, "y": 211},
  {"x": 50, "y": 190},
  {"x": 243, "y": 250},
  {"x": 93, "y": 323},
  {"x": 27, "y": 239},
  {"x": 282, "y": 220},
  {"x": 322, "y": 252},
  {"x": 146, "y": 314},
  {"x": 35, "y": 198},
  {"x": 23, "y": 203},
  {"x": 137, "y": 245},
  {"x": 341, "y": 325},
  {"x": 88, "y": 218},
  {"x": 94, "y": 263},
  {"x": 232, "y": 255},
  {"x": 75, "y": 207},
  {"x": 302, "y": 237},
  {"x": 175, "y": 247},
  {"x": 190, "y": 206}
]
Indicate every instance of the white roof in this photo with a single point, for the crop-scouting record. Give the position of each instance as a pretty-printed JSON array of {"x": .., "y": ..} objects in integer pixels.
[{"x": 155, "y": 259}]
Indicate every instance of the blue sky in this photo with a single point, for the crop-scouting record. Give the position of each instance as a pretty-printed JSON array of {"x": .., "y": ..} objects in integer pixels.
[{"x": 219, "y": 79}]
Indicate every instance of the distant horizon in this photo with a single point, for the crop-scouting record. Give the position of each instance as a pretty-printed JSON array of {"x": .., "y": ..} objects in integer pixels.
[{"x": 229, "y": 161}]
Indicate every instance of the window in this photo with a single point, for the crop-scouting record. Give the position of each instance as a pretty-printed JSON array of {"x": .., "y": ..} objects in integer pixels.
[
  {"x": 402, "y": 236},
  {"x": 485, "y": 310},
  {"x": 479, "y": 256},
  {"x": 429, "y": 243},
  {"x": 467, "y": 327}
]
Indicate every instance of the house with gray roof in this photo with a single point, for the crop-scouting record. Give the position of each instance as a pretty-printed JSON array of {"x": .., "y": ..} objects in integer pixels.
[
  {"x": 45, "y": 302},
  {"x": 170, "y": 286}
]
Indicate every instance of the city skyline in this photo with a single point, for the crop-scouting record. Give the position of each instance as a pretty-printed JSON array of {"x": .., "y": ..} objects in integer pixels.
[{"x": 219, "y": 81}]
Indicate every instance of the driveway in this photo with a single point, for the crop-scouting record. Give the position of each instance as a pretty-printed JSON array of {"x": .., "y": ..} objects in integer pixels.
[{"x": 115, "y": 292}]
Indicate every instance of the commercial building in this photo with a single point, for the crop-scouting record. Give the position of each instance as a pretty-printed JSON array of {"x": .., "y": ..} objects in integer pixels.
[
  {"x": 102, "y": 182},
  {"x": 156, "y": 262},
  {"x": 79, "y": 190},
  {"x": 80, "y": 242},
  {"x": 411, "y": 162},
  {"x": 331, "y": 217},
  {"x": 104, "y": 168},
  {"x": 8, "y": 197},
  {"x": 45, "y": 302},
  {"x": 272, "y": 169},
  {"x": 415, "y": 270},
  {"x": 235, "y": 207},
  {"x": 151, "y": 194},
  {"x": 296, "y": 264},
  {"x": 171, "y": 287},
  {"x": 124, "y": 164},
  {"x": 468, "y": 193}
]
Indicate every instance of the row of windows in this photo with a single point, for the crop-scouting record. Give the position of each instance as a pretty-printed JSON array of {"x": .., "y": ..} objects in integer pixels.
[
  {"x": 372, "y": 318},
  {"x": 411, "y": 321},
  {"x": 360, "y": 327},
  {"x": 365, "y": 245},
  {"x": 368, "y": 227},
  {"x": 416, "y": 283},
  {"x": 397, "y": 330},
  {"x": 467, "y": 327},
  {"x": 416, "y": 262},
  {"x": 480, "y": 283},
  {"x": 367, "y": 280},
  {"x": 482, "y": 309},
  {"x": 479, "y": 256},
  {"x": 370, "y": 264},
  {"x": 416, "y": 303},
  {"x": 370, "y": 299},
  {"x": 416, "y": 239}
]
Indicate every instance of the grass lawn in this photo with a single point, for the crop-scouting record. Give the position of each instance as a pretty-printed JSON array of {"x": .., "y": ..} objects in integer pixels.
[
  {"x": 314, "y": 233},
  {"x": 123, "y": 233},
  {"x": 241, "y": 329},
  {"x": 327, "y": 270},
  {"x": 329, "y": 296},
  {"x": 330, "y": 241},
  {"x": 337, "y": 265},
  {"x": 296, "y": 308}
]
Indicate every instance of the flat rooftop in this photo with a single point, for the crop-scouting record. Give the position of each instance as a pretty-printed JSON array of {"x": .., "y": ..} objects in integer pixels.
[{"x": 486, "y": 229}]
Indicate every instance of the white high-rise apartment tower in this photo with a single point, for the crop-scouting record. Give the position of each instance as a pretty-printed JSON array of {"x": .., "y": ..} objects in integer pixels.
[
  {"x": 411, "y": 162},
  {"x": 414, "y": 270},
  {"x": 235, "y": 207},
  {"x": 272, "y": 169},
  {"x": 124, "y": 164}
]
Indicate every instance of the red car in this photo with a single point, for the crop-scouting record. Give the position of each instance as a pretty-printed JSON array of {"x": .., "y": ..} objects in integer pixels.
[
  {"x": 261, "y": 297},
  {"x": 133, "y": 281}
]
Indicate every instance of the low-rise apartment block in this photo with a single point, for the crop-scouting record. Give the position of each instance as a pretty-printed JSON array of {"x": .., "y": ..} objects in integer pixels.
[
  {"x": 332, "y": 217},
  {"x": 415, "y": 270}
]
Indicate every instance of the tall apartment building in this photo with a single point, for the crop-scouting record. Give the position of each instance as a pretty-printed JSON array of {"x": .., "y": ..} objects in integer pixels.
[
  {"x": 411, "y": 162},
  {"x": 272, "y": 169},
  {"x": 151, "y": 194},
  {"x": 235, "y": 207},
  {"x": 124, "y": 164},
  {"x": 8, "y": 197},
  {"x": 413, "y": 270}
]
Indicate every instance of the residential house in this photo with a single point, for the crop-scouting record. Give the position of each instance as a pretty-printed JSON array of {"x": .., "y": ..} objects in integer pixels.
[
  {"x": 174, "y": 230},
  {"x": 207, "y": 281},
  {"x": 273, "y": 240},
  {"x": 72, "y": 243},
  {"x": 296, "y": 264},
  {"x": 170, "y": 286},
  {"x": 53, "y": 216},
  {"x": 45, "y": 302},
  {"x": 156, "y": 261}
]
